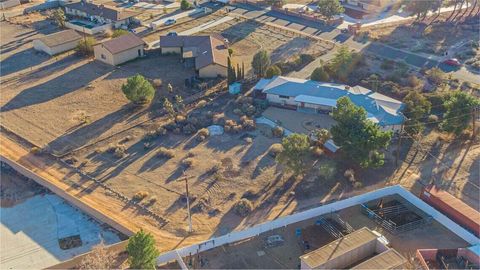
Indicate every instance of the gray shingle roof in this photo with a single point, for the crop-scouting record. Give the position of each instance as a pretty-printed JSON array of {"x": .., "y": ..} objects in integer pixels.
[
  {"x": 122, "y": 43},
  {"x": 60, "y": 38}
]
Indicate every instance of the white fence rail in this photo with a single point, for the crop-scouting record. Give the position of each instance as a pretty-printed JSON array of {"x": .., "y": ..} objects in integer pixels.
[{"x": 324, "y": 209}]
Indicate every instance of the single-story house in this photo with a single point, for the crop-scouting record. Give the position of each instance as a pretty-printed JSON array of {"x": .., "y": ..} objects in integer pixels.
[
  {"x": 320, "y": 97},
  {"x": 120, "y": 49},
  {"x": 57, "y": 42},
  {"x": 101, "y": 14},
  {"x": 368, "y": 6},
  {"x": 208, "y": 54}
]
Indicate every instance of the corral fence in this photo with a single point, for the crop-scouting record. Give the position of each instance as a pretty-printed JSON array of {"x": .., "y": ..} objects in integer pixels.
[{"x": 312, "y": 213}]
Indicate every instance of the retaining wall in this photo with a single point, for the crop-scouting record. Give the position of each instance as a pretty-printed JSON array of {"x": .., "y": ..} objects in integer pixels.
[
  {"x": 308, "y": 214},
  {"x": 99, "y": 216}
]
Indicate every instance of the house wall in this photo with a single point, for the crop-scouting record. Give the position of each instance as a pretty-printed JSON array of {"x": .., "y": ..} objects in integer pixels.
[
  {"x": 115, "y": 24},
  {"x": 88, "y": 31},
  {"x": 9, "y": 4},
  {"x": 40, "y": 46},
  {"x": 283, "y": 101},
  {"x": 105, "y": 56},
  {"x": 212, "y": 71},
  {"x": 171, "y": 50}
]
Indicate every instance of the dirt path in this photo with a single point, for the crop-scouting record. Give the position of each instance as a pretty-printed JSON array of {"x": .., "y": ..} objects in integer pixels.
[{"x": 92, "y": 195}]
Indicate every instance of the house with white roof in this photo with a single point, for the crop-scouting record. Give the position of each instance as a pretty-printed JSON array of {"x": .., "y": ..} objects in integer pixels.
[{"x": 320, "y": 97}]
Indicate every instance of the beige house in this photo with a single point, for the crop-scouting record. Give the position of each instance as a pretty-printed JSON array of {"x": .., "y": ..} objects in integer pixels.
[
  {"x": 208, "y": 54},
  {"x": 120, "y": 50},
  {"x": 101, "y": 14},
  {"x": 368, "y": 6},
  {"x": 57, "y": 42}
]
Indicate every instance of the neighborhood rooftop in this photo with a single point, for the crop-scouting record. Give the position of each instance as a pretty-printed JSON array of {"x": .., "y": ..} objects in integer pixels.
[
  {"x": 107, "y": 12},
  {"x": 389, "y": 259},
  {"x": 60, "y": 38},
  {"x": 122, "y": 43},
  {"x": 207, "y": 50},
  {"x": 380, "y": 108}
]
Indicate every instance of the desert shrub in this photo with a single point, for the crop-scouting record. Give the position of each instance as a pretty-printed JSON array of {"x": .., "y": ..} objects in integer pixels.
[
  {"x": 180, "y": 119},
  {"x": 189, "y": 129},
  {"x": 277, "y": 131},
  {"x": 436, "y": 76},
  {"x": 165, "y": 153},
  {"x": 243, "y": 207},
  {"x": 237, "y": 111},
  {"x": 157, "y": 83},
  {"x": 218, "y": 119},
  {"x": 327, "y": 169},
  {"x": 188, "y": 162},
  {"x": 152, "y": 200},
  {"x": 357, "y": 185},
  {"x": 140, "y": 195},
  {"x": 35, "y": 150},
  {"x": 249, "y": 124},
  {"x": 119, "y": 152},
  {"x": 202, "y": 103},
  {"x": 350, "y": 175},
  {"x": 317, "y": 151},
  {"x": 248, "y": 140},
  {"x": 275, "y": 149},
  {"x": 161, "y": 131},
  {"x": 432, "y": 118},
  {"x": 204, "y": 132},
  {"x": 414, "y": 81}
]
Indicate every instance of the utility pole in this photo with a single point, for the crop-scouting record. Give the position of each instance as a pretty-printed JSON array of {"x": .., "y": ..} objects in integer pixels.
[{"x": 185, "y": 178}]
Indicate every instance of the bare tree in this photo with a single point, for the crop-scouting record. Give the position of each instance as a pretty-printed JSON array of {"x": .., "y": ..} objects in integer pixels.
[{"x": 99, "y": 258}]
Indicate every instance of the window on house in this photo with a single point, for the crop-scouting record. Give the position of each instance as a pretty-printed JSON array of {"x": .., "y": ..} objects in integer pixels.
[
  {"x": 103, "y": 56},
  {"x": 286, "y": 97}
]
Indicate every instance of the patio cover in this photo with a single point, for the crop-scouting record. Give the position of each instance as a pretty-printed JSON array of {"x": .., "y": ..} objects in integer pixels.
[{"x": 316, "y": 100}]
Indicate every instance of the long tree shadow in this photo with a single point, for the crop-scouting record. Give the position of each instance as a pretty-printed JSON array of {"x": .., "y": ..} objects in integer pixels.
[
  {"x": 21, "y": 60},
  {"x": 57, "y": 87}
]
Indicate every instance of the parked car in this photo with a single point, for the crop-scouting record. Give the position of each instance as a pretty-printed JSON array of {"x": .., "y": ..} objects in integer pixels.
[
  {"x": 172, "y": 34},
  {"x": 274, "y": 241},
  {"x": 344, "y": 31},
  {"x": 452, "y": 62},
  {"x": 170, "y": 21}
]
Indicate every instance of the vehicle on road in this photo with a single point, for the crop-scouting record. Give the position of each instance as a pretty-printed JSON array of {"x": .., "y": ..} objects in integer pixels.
[
  {"x": 170, "y": 21},
  {"x": 452, "y": 62},
  {"x": 274, "y": 241},
  {"x": 172, "y": 34}
]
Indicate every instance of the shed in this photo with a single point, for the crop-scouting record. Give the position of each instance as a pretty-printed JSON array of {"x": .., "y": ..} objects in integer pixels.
[
  {"x": 453, "y": 208},
  {"x": 235, "y": 88},
  {"x": 57, "y": 42},
  {"x": 119, "y": 50}
]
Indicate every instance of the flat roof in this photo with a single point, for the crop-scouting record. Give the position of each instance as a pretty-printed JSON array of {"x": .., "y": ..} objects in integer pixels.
[
  {"x": 316, "y": 100},
  {"x": 389, "y": 259},
  {"x": 339, "y": 247}
]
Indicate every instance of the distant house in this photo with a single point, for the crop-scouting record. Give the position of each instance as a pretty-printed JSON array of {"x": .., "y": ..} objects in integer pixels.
[
  {"x": 368, "y": 6},
  {"x": 318, "y": 97},
  {"x": 208, "y": 54},
  {"x": 120, "y": 50},
  {"x": 57, "y": 42},
  {"x": 101, "y": 14}
]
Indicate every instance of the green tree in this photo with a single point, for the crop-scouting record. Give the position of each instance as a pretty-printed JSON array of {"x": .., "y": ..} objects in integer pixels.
[
  {"x": 421, "y": 8},
  {"x": 58, "y": 16},
  {"x": 360, "y": 139},
  {"x": 138, "y": 90},
  {"x": 417, "y": 109},
  {"x": 459, "y": 107},
  {"x": 85, "y": 46},
  {"x": 343, "y": 63},
  {"x": 320, "y": 75},
  {"x": 273, "y": 71},
  {"x": 436, "y": 76},
  {"x": 168, "y": 106},
  {"x": 231, "y": 73},
  {"x": 260, "y": 63},
  {"x": 119, "y": 32},
  {"x": 184, "y": 5},
  {"x": 330, "y": 8},
  {"x": 294, "y": 154},
  {"x": 142, "y": 253}
]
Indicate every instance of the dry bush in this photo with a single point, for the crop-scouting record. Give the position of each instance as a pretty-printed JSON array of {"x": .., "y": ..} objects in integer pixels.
[
  {"x": 165, "y": 153},
  {"x": 204, "y": 132},
  {"x": 140, "y": 195},
  {"x": 180, "y": 119},
  {"x": 357, "y": 185},
  {"x": 188, "y": 162},
  {"x": 119, "y": 151},
  {"x": 99, "y": 258},
  {"x": 275, "y": 149},
  {"x": 35, "y": 150},
  {"x": 190, "y": 154},
  {"x": 317, "y": 151},
  {"x": 248, "y": 140},
  {"x": 350, "y": 175},
  {"x": 202, "y": 103},
  {"x": 157, "y": 83},
  {"x": 243, "y": 207},
  {"x": 237, "y": 111},
  {"x": 152, "y": 200},
  {"x": 277, "y": 131},
  {"x": 218, "y": 119}
]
